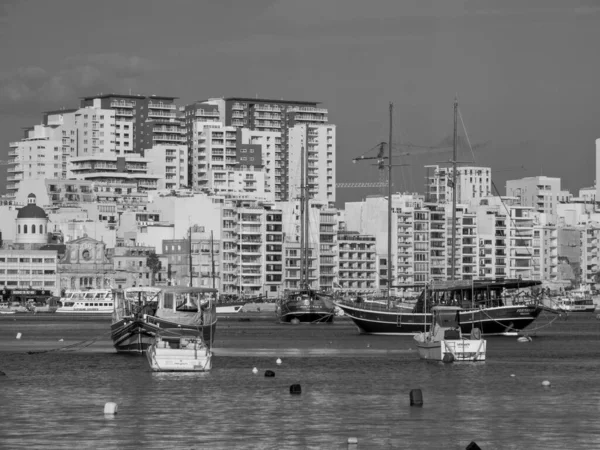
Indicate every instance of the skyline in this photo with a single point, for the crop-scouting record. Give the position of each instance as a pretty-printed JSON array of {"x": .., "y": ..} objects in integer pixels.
[{"x": 524, "y": 76}]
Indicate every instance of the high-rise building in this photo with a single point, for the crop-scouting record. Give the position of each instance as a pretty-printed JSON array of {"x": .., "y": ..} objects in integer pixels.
[
  {"x": 274, "y": 116},
  {"x": 540, "y": 193},
  {"x": 472, "y": 184}
]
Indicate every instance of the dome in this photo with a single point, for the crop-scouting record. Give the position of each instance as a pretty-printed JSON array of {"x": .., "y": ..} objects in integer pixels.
[{"x": 31, "y": 211}]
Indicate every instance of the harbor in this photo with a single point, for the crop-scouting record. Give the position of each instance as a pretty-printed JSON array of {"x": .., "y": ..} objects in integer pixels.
[{"x": 63, "y": 370}]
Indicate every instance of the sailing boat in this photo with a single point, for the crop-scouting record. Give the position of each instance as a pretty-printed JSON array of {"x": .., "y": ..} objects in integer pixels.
[
  {"x": 305, "y": 304},
  {"x": 483, "y": 303}
]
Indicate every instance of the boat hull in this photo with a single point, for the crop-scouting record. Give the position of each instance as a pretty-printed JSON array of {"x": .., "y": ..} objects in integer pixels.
[
  {"x": 135, "y": 336},
  {"x": 460, "y": 350},
  {"x": 194, "y": 357},
  {"x": 491, "y": 321},
  {"x": 307, "y": 307}
]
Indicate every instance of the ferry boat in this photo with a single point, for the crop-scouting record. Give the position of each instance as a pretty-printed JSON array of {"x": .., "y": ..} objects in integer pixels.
[
  {"x": 89, "y": 301},
  {"x": 142, "y": 314},
  {"x": 575, "y": 304}
]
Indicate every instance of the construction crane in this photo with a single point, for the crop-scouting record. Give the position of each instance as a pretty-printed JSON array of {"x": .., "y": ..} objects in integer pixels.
[{"x": 419, "y": 150}]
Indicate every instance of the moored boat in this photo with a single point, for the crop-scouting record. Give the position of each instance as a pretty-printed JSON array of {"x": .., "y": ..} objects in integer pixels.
[
  {"x": 482, "y": 302},
  {"x": 306, "y": 305},
  {"x": 141, "y": 314},
  {"x": 87, "y": 301},
  {"x": 445, "y": 340}
]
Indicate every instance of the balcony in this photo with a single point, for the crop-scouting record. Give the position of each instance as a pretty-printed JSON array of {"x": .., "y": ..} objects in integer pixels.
[
  {"x": 167, "y": 106},
  {"x": 121, "y": 104}
]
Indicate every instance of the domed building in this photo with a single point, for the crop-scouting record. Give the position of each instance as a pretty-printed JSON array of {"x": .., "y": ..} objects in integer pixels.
[{"x": 32, "y": 223}]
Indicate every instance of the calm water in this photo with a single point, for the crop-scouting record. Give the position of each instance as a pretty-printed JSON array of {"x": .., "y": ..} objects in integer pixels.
[{"x": 358, "y": 387}]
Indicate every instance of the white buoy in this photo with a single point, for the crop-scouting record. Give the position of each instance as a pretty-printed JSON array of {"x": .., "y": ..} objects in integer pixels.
[
  {"x": 524, "y": 339},
  {"x": 278, "y": 361},
  {"x": 19, "y": 335},
  {"x": 60, "y": 340},
  {"x": 110, "y": 408},
  {"x": 255, "y": 370},
  {"x": 512, "y": 374},
  {"x": 352, "y": 440},
  {"x": 546, "y": 383}
]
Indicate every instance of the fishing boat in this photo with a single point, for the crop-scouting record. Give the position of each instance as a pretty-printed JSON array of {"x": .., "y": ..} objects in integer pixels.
[
  {"x": 143, "y": 314},
  {"x": 484, "y": 302},
  {"x": 306, "y": 304},
  {"x": 88, "y": 301},
  {"x": 445, "y": 340},
  {"x": 184, "y": 326}
]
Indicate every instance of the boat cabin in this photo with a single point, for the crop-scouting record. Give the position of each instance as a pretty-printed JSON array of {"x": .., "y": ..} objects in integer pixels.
[
  {"x": 470, "y": 294},
  {"x": 446, "y": 322}
]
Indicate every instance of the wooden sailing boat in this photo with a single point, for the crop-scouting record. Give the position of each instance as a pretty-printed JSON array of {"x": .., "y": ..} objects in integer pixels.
[
  {"x": 481, "y": 302},
  {"x": 305, "y": 304}
]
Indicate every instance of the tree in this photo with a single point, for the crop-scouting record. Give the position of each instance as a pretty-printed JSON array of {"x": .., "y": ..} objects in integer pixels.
[{"x": 154, "y": 264}]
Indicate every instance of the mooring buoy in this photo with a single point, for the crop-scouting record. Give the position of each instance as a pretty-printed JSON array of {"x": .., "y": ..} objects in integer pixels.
[
  {"x": 110, "y": 408},
  {"x": 269, "y": 373},
  {"x": 295, "y": 389},
  {"x": 416, "y": 397}
]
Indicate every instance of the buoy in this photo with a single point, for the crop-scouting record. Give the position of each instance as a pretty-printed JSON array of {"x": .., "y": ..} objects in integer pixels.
[
  {"x": 545, "y": 383},
  {"x": 295, "y": 389},
  {"x": 473, "y": 446},
  {"x": 19, "y": 335},
  {"x": 512, "y": 374},
  {"x": 352, "y": 440},
  {"x": 416, "y": 397},
  {"x": 278, "y": 361},
  {"x": 448, "y": 358},
  {"x": 255, "y": 370},
  {"x": 60, "y": 340},
  {"x": 269, "y": 373},
  {"x": 476, "y": 334},
  {"x": 2, "y": 374},
  {"x": 524, "y": 339},
  {"x": 295, "y": 321},
  {"x": 368, "y": 345},
  {"x": 110, "y": 408}
]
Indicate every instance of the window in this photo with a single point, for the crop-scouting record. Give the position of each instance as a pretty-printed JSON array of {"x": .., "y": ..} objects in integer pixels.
[
  {"x": 33, "y": 229},
  {"x": 24, "y": 229}
]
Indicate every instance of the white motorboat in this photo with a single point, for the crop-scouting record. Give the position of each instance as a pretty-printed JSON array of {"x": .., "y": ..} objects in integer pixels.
[
  {"x": 444, "y": 340},
  {"x": 179, "y": 354}
]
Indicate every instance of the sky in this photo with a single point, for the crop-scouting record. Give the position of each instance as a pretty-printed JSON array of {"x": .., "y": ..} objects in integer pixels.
[{"x": 525, "y": 73}]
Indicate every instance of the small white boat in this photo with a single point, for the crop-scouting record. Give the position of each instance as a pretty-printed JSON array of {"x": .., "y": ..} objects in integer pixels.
[
  {"x": 179, "y": 354},
  {"x": 444, "y": 340},
  {"x": 230, "y": 308}
]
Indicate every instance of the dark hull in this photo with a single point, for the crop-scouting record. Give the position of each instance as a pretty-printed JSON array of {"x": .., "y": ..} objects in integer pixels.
[
  {"x": 135, "y": 336},
  {"x": 496, "y": 320},
  {"x": 306, "y": 306}
]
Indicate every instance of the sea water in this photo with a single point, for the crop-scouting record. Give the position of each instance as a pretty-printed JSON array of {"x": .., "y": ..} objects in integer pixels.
[{"x": 352, "y": 386}]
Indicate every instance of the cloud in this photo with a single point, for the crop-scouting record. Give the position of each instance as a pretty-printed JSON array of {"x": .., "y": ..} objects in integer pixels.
[{"x": 35, "y": 87}]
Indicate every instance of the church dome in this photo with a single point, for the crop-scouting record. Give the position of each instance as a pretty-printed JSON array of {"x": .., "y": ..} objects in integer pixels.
[{"x": 31, "y": 211}]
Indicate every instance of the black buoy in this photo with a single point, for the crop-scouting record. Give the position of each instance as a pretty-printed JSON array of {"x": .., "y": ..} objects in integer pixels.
[
  {"x": 2, "y": 374},
  {"x": 269, "y": 373},
  {"x": 416, "y": 397},
  {"x": 295, "y": 389},
  {"x": 448, "y": 358},
  {"x": 473, "y": 446}
]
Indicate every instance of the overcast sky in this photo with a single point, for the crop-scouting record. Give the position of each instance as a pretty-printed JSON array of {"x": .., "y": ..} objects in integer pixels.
[{"x": 525, "y": 72}]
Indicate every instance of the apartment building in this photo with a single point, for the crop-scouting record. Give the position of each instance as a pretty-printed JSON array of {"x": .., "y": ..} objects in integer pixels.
[
  {"x": 472, "y": 184},
  {"x": 318, "y": 141},
  {"x": 130, "y": 266},
  {"x": 540, "y": 193},
  {"x": 29, "y": 269},
  {"x": 590, "y": 253},
  {"x": 170, "y": 163},
  {"x": 141, "y": 121},
  {"x": 545, "y": 253},
  {"x": 357, "y": 269}
]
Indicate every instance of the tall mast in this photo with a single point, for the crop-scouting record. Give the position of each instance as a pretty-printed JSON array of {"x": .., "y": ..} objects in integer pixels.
[
  {"x": 306, "y": 209},
  {"x": 302, "y": 213},
  {"x": 453, "y": 248},
  {"x": 190, "y": 260},
  {"x": 389, "y": 243},
  {"x": 212, "y": 259}
]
